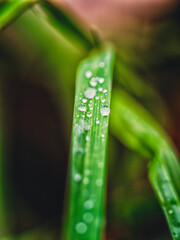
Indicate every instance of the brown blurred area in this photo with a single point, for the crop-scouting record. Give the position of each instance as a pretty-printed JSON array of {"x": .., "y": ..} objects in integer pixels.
[{"x": 108, "y": 16}]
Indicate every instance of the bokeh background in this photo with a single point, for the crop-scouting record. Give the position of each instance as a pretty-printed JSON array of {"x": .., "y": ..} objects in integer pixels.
[{"x": 37, "y": 73}]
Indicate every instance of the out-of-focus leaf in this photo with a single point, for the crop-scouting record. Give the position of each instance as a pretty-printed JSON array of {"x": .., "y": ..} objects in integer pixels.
[
  {"x": 166, "y": 193},
  {"x": 138, "y": 130},
  {"x": 67, "y": 26},
  {"x": 11, "y": 9}
]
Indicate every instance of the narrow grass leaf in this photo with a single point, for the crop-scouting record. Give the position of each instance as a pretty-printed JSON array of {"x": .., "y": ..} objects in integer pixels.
[
  {"x": 67, "y": 25},
  {"x": 138, "y": 130},
  {"x": 11, "y": 10},
  {"x": 165, "y": 190},
  {"x": 88, "y": 150}
]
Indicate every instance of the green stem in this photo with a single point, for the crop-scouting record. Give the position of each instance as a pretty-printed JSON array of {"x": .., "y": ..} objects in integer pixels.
[{"x": 12, "y": 9}]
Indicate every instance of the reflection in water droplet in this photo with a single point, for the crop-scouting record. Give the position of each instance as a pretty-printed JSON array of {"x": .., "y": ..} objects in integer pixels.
[
  {"x": 102, "y": 135},
  {"x": 87, "y": 138},
  {"x": 89, "y": 204},
  {"x": 105, "y": 111},
  {"x": 97, "y": 122},
  {"x": 88, "y": 217},
  {"x": 100, "y": 89},
  {"x": 88, "y": 74},
  {"x": 105, "y": 91},
  {"x": 96, "y": 97},
  {"x": 90, "y": 93},
  {"x": 81, "y": 228},
  {"x": 84, "y": 100},
  {"x": 103, "y": 100},
  {"x": 82, "y": 108}
]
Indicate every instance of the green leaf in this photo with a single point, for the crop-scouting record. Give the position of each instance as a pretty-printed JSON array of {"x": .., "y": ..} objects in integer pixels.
[
  {"x": 67, "y": 26},
  {"x": 139, "y": 131},
  {"x": 88, "y": 149},
  {"x": 12, "y": 9},
  {"x": 166, "y": 193}
]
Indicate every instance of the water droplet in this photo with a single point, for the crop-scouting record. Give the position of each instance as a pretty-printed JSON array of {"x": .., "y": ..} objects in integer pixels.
[
  {"x": 105, "y": 91},
  {"x": 82, "y": 108},
  {"x": 86, "y": 181},
  {"x": 89, "y": 204},
  {"x": 77, "y": 177},
  {"x": 83, "y": 116},
  {"x": 84, "y": 100},
  {"x": 91, "y": 108},
  {"x": 101, "y": 80},
  {"x": 170, "y": 211},
  {"x": 100, "y": 89},
  {"x": 102, "y": 135},
  {"x": 77, "y": 115},
  {"x": 101, "y": 64},
  {"x": 80, "y": 98},
  {"x": 89, "y": 114},
  {"x": 96, "y": 97},
  {"x": 88, "y": 217},
  {"x": 97, "y": 122},
  {"x": 90, "y": 93},
  {"x": 88, "y": 74},
  {"x": 103, "y": 100},
  {"x": 87, "y": 138},
  {"x": 93, "y": 82},
  {"x": 99, "y": 182},
  {"x": 100, "y": 164},
  {"x": 105, "y": 111},
  {"x": 81, "y": 227}
]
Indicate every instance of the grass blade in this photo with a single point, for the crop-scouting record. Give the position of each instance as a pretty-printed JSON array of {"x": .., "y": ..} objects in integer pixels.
[
  {"x": 139, "y": 131},
  {"x": 67, "y": 26},
  {"x": 88, "y": 150},
  {"x": 166, "y": 193},
  {"x": 11, "y": 9}
]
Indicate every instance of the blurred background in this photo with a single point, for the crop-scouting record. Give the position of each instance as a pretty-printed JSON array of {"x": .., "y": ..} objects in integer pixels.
[{"x": 38, "y": 62}]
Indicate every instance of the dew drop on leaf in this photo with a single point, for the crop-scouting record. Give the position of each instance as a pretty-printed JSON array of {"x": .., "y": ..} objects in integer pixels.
[
  {"x": 89, "y": 114},
  {"x": 101, "y": 80},
  {"x": 90, "y": 93},
  {"x": 77, "y": 177},
  {"x": 88, "y": 217},
  {"x": 93, "y": 82},
  {"x": 88, "y": 74},
  {"x": 81, "y": 228},
  {"x": 86, "y": 181},
  {"x": 105, "y": 111},
  {"x": 89, "y": 204},
  {"x": 82, "y": 108},
  {"x": 99, "y": 182}
]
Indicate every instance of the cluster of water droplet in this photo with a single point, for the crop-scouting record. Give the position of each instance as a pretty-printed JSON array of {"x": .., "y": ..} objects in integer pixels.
[{"x": 88, "y": 99}]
